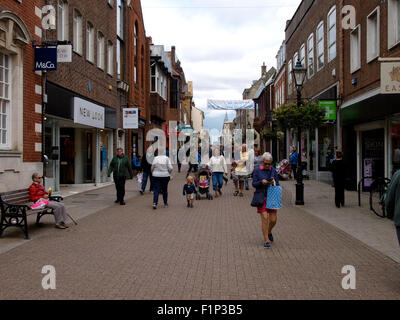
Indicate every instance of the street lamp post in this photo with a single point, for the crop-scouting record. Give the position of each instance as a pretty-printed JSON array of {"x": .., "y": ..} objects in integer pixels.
[{"x": 299, "y": 75}]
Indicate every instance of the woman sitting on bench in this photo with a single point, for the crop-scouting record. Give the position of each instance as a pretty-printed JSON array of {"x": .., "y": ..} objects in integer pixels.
[{"x": 37, "y": 192}]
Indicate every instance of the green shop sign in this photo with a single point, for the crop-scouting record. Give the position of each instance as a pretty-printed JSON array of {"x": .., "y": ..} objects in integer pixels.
[{"x": 330, "y": 109}]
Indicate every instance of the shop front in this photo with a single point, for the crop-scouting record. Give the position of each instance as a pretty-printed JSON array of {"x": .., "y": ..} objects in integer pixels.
[
  {"x": 371, "y": 137},
  {"x": 78, "y": 140}
]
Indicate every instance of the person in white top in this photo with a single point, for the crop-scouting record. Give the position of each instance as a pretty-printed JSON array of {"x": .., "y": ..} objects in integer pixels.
[
  {"x": 218, "y": 167},
  {"x": 161, "y": 170}
]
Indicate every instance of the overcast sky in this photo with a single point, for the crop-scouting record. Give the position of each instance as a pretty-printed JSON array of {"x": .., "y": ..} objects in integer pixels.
[{"x": 220, "y": 43}]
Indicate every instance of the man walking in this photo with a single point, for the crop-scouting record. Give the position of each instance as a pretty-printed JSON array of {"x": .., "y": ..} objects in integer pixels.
[
  {"x": 119, "y": 166},
  {"x": 392, "y": 202}
]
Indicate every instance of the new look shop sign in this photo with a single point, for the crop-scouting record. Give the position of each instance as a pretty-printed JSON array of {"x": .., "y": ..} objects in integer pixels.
[{"x": 88, "y": 114}]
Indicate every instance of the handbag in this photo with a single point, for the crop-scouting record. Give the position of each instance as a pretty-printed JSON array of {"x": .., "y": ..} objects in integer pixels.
[
  {"x": 40, "y": 205},
  {"x": 274, "y": 197},
  {"x": 258, "y": 199}
]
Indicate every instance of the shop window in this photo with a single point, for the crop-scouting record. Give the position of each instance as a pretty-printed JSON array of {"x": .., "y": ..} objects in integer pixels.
[
  {"x": 5, "y": 101},
  {"x": 395, "y": 146}
]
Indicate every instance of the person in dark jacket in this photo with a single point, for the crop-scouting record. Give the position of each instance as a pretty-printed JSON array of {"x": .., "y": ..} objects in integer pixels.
[
  {"x": 392, "y": 201},
  {"x": 189, "y": 190},
  {"x": 264, "y": 176},
  {"x": 120, "y": 166},
  {"x": 146, "y": 168},
  {"x": 338, "y": 170}
]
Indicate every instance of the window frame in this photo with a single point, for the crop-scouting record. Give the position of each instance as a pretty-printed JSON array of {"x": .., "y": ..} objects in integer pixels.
[
  {"x": 311, "y": 36},
  {"x": 320, "y": 26},
  {"x": 77, "y": 32},
  {"x": 393, "y": 35},
  {"x": 328, "y": 29},
  {"x": 290, "y": 79},
  {"x": 101, "y": 50},
  {"x": 370, "y": 57},
  {"x": 8, "y": 113},
  {"x": 110, "y": 58},
  {"x": 63, "y": 33},
  {"x": 90, "y": 47},
  {"x": 354, "y": 69}
]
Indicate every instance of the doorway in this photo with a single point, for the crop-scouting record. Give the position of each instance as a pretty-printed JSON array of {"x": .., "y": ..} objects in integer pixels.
[
  {"x": 373, "y": 156},
  {"x": 88, "y": 168},
  {"x": 67, "y": 156}
]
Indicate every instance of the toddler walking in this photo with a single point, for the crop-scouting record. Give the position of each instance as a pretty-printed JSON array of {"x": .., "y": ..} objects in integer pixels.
[{"x": 189, "y": 190}]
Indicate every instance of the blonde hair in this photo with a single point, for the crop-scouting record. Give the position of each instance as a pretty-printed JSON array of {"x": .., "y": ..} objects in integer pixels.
[{"x": 189, "y": 179}]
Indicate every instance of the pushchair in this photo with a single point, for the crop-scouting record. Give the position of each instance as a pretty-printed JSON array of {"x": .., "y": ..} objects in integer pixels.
[
  {"x": 284, "y": 169},
  {"x": 203, "y": 181}
]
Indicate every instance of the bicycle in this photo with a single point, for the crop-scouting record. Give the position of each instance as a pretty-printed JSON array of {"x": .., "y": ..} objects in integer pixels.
[{"x": 377, "y": 194}]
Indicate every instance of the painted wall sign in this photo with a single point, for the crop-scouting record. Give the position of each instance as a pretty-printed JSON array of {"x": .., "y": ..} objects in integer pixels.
[{"x": 88, "y": 113}]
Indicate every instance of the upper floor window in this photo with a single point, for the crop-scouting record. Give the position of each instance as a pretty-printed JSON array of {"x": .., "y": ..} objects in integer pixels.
[
  {"x": 302, "y": 56},
  {"x": 289, "y": 76},
  {"x": 355, "y": 49},
  {"x": 5, "y": 101},
  {"x": 332, "y": 34},
  {"x": 136, "y": 52},
  {"x": 119, "y": 62},
  {"x": 62, "y": 20},
  {"x": 89, "y": 42},
  {"x": 120, "y": 19},
  {"x": 142, "y": 66},
  {"x": 110, "y": 58},
  {"x": 393, "y": 23},
  {"x": 78, "y": 26},
  {"x": 310, "y": 55},
  {"x": 100, "y": 50},
  {"x": 373, "y": 42},
  {"x": 320, "y": 46}
]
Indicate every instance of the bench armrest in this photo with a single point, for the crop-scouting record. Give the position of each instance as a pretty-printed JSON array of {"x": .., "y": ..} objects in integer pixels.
[
  {"x": 15, "y": 208},
  {"x": 56, "y": 198}
]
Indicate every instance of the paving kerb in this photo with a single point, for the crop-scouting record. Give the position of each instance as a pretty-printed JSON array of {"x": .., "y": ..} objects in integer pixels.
[{"x": 211, "y": 252}]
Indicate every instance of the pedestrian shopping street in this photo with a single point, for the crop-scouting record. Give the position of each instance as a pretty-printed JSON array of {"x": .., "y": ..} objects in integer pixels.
[{"x": 214, "y": 251}]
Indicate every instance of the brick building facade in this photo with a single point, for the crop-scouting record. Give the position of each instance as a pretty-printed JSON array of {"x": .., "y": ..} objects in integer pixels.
[
  {"x": 312, "y": 37},
  {"x": 20, "y": 94},
  {"x": 371, "y": 114}
]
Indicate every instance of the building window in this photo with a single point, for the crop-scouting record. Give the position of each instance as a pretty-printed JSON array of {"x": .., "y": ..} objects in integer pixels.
[
  {"x": 332, "y": 34},
  {"x": 136, "y": 52},
  {"x": 290, "y": 79},
  {"x": 373, "y": 41},
  {"x": 393, "y": 23},
  {"x": 89, "y": 42},
  {"x": 77, "y": 32},
  {"x": 110, "y": 58},
  {"x": 320, "y": 46},
  {"x": 153, "y": 78},
  {"x": 310, "y": 55},
  {"x": 303, "y": 55},
  {"x": 119, "y": 59},
  {"x": 120, "y": 19},
  {"x": 100, "y": 50},
  {"x": 142, "y": 66},
  {"x": 62, "y": 20},
  {"x": 5, "y": 101},
  {"x": 355, "y": 49}
]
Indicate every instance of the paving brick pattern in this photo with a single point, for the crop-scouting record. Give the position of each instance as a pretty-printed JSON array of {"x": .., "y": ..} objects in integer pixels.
[{"x": 214, "y": 251}]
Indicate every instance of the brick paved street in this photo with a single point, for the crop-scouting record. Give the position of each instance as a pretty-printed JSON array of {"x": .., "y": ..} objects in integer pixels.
[{"x": 213, "y": 251}]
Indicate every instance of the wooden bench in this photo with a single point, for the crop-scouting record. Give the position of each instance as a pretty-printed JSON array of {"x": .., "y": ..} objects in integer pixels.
[{"x": 15, "y": 209}]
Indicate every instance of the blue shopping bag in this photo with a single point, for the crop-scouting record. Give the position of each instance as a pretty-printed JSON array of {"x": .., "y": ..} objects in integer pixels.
[{"x": 274, "y": 198}]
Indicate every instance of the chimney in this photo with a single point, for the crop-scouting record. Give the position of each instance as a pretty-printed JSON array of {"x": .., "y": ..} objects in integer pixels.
[
  {"x": 263, "y": 69},
  {"x": 173, "y": 55}
]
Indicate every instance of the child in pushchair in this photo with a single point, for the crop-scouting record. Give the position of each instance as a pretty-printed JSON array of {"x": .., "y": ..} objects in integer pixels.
[{"x": 203, "y": 181}]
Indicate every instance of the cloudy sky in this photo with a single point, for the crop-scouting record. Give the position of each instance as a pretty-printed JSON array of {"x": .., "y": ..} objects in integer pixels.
[{"x": 220, "y": 43}]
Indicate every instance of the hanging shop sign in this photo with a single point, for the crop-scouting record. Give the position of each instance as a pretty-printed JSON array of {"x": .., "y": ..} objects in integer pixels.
[
  {"x": 131, "y": 118},
  {"x": 45, "y": 58},
  {"x": 230, "y": 104},
  {"x": 88, "y": 113},
  {"x": 64, "y": 53},
  {"x": 390, "y": 77},
  {"x": 330, "y": 109}
]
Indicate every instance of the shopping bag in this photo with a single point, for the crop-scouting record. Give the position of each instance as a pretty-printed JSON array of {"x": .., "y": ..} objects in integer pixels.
[
  {"x": 274, "y": 198},
  {"x": 40, "y": 205}
]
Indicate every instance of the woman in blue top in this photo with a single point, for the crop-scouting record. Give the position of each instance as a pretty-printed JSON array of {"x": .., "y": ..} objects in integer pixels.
[
  {"x": 265, "y": 176},
  {"x": 294, "y": 159}
]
